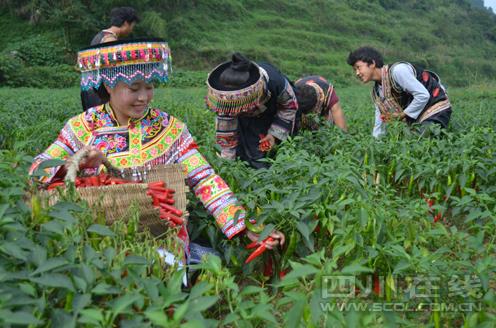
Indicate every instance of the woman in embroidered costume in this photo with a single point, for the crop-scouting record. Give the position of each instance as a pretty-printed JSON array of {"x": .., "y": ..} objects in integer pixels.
[
  {"x": 255, "y": 104},
  {"x": 316, "y": 96},
  {"x": 131, "y": 134},
  {"x": 401, "y": 91}
]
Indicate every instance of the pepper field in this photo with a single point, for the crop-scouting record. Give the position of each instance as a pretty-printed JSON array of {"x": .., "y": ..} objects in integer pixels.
[{"x": 362, "y": 246}]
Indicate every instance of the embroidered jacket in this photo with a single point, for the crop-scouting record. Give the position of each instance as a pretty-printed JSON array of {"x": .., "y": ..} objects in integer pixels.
[
  {"x": 156, "y": 138},
  {"x": 277, "y": 116}
]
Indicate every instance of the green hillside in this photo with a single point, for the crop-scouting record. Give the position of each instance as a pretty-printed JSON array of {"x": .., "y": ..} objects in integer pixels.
[{"x": 455, "y": 38}]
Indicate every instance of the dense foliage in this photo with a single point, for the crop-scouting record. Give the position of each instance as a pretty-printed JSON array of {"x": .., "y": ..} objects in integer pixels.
[
  {"x": 348, "y": 204},
  {"x": 455, "y": 38}
]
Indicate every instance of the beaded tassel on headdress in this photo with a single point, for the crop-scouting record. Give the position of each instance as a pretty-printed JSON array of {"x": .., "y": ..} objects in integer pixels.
[
  {"x": 124, "y": 62},
  {"x": 234, "y": 102}
]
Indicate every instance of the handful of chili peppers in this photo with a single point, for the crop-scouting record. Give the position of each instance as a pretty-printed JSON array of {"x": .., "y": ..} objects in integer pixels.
[
  {"x": 264, "y": 146},
  {"x": 92, "y": 181},
  {"x": 162, "y": 197},
  {"x": 259, "y": 251}
]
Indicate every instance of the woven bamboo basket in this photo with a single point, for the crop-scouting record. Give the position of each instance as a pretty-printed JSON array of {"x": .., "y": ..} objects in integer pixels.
[{"x": 117, "y": 201}]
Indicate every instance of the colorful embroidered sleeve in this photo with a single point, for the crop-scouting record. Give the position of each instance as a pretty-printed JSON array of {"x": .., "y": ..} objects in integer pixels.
[
  {"x": 226, "y": 134},
  {"x": 65, "y": 146},
  {"x": 287, "y": 107},
  {"x": 210, "y": 188}
]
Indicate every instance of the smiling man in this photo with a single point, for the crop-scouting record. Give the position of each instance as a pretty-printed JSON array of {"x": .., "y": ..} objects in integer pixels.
[{"x": 401, "y": 91}]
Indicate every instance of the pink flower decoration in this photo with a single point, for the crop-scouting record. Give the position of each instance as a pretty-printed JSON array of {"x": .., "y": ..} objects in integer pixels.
[
  {"x": 102, "y": 145},
  {"x": 206, "y": 192}
]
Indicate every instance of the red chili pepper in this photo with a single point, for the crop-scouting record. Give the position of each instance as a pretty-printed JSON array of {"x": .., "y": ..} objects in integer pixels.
[
  {"x": 170, "y": 312},
  {"x": 171, "y": 217},
  {"x": 85, "y": 182},
  {"x": 377, "y": 285},
  {"x": 268, "y": 267},
  {"x": 256, "y": 253},
  {"x": 264, "y": 146},
  {"x": 156, "y": 184},
  {"x": 437, "y": 217},
  {"x": 158, "y": 189},
  {"x": 169, "y": 201},
  {"x": 160, "y": 196},
  {"x": 251, "y": 245},
  {"x": 175, "y": 219},
  {"x": 259, "y": 250},
  {"x": 171, "y": 209},
  {"x": 154, "y": 193},
  {"x": 103, "y": 178},
  {"x": 94, "y": 181},
  {"x": 118, "y": 181},
  {"x": 155, "y": 201}
]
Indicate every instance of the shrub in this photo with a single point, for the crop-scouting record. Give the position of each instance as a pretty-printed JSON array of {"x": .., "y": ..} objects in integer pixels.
[
  {"x": 41, "y": 50},
  {"x": 10, "y": 70}
]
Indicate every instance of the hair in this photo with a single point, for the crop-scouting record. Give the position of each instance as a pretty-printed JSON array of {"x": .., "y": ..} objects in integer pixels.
[
  {"x": 120, "y": 15},
  {"x": 237, "y": 73},
  {"x": 306, "y": 97},
  {"x": 368, "y": 55},
  {"x": 102, "y": 93}
]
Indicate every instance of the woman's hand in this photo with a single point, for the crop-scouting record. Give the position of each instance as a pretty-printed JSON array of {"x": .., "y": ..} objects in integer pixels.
[
  {"x": 278, "y": 237},
  {"x": 266, "y": 143},
  {"x": 93, "y": 159},
  {"x": 270, "y": 138}
]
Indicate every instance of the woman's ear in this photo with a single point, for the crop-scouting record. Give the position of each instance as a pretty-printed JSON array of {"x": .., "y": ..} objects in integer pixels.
[{"x": 107, "y": 88}]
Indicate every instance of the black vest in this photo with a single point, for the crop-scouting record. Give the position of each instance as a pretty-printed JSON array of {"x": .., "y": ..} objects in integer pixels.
[{"x": 429, "y": 80}]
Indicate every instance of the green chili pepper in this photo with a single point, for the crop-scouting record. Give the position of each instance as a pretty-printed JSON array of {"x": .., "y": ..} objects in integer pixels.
[
  {"x": 290, "y": 249},
  {"x": 252, "y": 227},
  {"x": 234, "y": 260},
  {"x": 436, "y": 316},
  {"x": 410, "y": 185},
  {"x": 68, "y": 301},
  {"x": 389, "y": 287}
]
